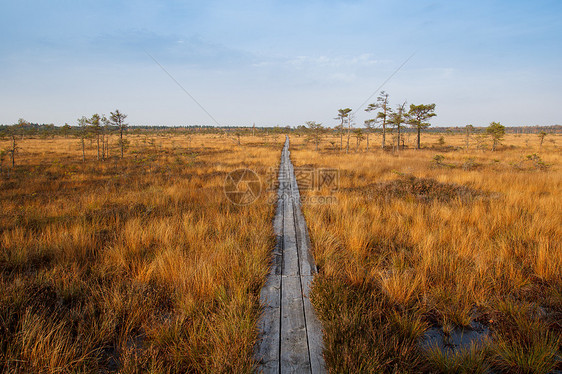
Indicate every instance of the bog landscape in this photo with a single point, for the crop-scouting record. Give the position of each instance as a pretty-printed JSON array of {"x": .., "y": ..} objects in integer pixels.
[
  {"x": 446, "y": 258},
  {"x": 281, "y": 186}
]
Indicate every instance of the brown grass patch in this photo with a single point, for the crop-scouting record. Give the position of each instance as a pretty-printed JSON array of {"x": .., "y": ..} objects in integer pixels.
[
  {"x": 439, "y": 247},
  {"x": 131, "y": 265},
  {"x": 419, "y": 189}
]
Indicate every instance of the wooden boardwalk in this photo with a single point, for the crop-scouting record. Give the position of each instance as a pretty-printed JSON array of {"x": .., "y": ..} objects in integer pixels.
[{"x": 290, "y": 335}]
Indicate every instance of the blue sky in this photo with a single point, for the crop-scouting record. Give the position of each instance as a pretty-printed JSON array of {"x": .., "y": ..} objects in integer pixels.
[{"x": 279, "y": 62}]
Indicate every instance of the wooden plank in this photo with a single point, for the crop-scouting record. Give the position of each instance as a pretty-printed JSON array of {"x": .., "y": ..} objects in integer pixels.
[
  {"x": 269, "y": 325},
  {"x": 267, "y": 352},
  {"x": 313, "y": 329},
  {"x": 290, "y": 253},
  {"x": 306, "y": 261},
  {"x": 277, "y": 262},
  {"x": 294, "y": 342},
  {"x": 290, "y": 334}
]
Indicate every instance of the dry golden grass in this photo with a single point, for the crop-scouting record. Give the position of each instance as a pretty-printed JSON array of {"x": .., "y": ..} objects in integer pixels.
[
  {"x": 415, "y": 242},
  {"x": 133, "y": 265}
]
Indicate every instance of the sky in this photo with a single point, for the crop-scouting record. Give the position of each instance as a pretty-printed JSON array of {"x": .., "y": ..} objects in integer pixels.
[{"x": 279, "y": 62}]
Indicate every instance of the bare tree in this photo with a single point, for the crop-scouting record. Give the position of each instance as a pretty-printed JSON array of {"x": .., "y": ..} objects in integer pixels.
[{"x": 16, "y": 130}]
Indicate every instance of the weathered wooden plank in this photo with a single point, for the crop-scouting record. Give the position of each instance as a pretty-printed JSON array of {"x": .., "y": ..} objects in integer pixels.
[
  {"x": 306, "y": 261},
  {"x": 277, "y": 261},
  {"x": 313, "y": 329},
  {"x": 294, "y": 342},
  {"x": 290, "y": 253},
  {"x": 269, "y": 326},
  {"x": 291, "y": 336}
]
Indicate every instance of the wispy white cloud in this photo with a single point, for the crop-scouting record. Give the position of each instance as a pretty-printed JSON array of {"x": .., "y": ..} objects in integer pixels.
[
  {"x": 307, "y": 54},
  {"x": 321, "y": 61},
  {"x": 319, "y": 70}
]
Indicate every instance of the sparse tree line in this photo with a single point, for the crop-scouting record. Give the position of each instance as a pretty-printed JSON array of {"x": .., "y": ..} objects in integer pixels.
[
  {"x": 389, "y": 120},
  {"x": 97, "y": 128},
  {"x": 100, "y": 128},
  {"x": 386, "y": 121},
  {"x": 395, "y": 122}
]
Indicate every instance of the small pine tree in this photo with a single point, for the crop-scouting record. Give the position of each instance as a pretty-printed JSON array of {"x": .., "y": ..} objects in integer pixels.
[
  {"x": 118, "y": 119},
  {"x": 343, "y": 115},
  {"x": 496, "y": 131},
  {"x": 316, "y": 130},
  {"x": 418, "y": 117}
]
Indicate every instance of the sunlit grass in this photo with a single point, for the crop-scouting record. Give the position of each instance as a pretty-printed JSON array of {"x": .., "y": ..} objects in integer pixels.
[
  {"x": 416, "y": 241},
  {"x": 133, "y": 265}
]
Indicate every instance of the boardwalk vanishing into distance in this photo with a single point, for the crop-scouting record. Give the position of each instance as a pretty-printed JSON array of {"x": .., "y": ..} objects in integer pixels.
[{"x": 290, "y": 335}]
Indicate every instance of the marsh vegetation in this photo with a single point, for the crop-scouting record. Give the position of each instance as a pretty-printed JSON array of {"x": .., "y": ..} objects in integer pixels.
[
  {"x": 442, "y": 259},
  {"x": 133, "y": 264},
  {"x": 424, "y": 246}
]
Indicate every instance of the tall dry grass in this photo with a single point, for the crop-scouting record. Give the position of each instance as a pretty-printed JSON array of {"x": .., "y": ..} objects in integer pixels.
[
  {"x": 133, "y": 265},
  {"x": 417, "y": 241}
]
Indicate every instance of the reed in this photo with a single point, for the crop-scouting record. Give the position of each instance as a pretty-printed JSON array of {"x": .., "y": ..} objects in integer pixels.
[
  {"x": 416, "y": 241},
  {"x": 132, "y": 265}
]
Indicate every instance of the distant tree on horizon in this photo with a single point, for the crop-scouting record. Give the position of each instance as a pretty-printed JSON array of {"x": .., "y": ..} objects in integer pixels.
[
  {"x": 342, "y": 116},
  {"x": 418, "y": 117},
  {"x": 496, "y": 131},
  {"x": 384, "y": 114},
  {"x": 350, "y": 124},
  {"x": 16, "y": 130},
  {"x": 469, "y": 129},
  {"x": 65, "y": 130},
  {"x": 118, "y": 119},
  {"x": 316, "y": 130},
  {"x": 370, "y": 125},
  {"x": 95, "y": 125},
  {"x": 83, "y": 134},
  {"x": 105, "y": 132},
  {"x": 541, "y": 136},
  {"x": 358, "y": 133},
  {"x": 397, "y": 119}
]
